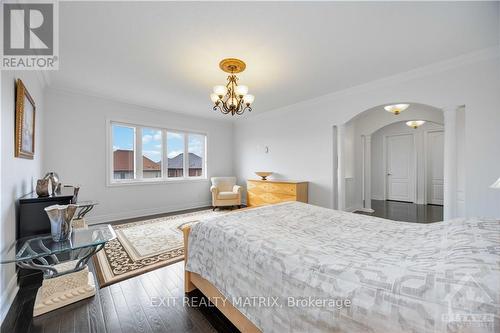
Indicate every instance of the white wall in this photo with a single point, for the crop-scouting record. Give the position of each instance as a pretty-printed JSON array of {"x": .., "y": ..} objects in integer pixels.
[
  {"x": 367, "y": 123},
  {"x": 75, "y": 148},
  {"x": 461, "y": 161},
  {"x": 377, "y": 167},
  {"x": 18, "y": 175},
  {"x": 300, "y": 136}
]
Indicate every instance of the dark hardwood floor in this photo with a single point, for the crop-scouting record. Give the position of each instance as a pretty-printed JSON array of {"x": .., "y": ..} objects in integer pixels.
[
  {"x": 138, "y": 305},
  {"x": 405, "y": 211},
  {"x": 151, "y": 302},
  {"x": 154, "y": 301}
]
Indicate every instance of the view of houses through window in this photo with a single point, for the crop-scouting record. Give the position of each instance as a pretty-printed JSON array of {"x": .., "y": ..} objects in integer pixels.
[{"x": 155, "y": 145}]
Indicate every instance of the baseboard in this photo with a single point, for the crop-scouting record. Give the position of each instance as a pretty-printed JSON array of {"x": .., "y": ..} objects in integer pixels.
[
  {"x": 10, "y": 293},
  {"x": 365, "y": 210},
  {"x": 144, "y": 212},
  {"x": 351, "y": 209}
]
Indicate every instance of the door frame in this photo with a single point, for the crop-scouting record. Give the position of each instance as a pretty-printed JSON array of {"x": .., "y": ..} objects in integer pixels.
[
  {"x": 426, "y": 165},
  {"x": 336, "y": 164},
  {"x": 414, "y": 178}
]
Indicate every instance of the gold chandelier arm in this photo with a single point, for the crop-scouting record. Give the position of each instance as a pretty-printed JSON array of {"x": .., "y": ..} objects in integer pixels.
[{"x": 222, "y": 108}]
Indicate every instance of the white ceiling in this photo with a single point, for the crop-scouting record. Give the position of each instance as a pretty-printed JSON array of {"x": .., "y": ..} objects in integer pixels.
[{"x": 166, "y": 54}]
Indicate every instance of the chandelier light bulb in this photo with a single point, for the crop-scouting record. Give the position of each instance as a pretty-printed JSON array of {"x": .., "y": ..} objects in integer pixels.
[
  {"x": 241, "y": 90},
  {"x": 248, "y": 99},
  {"x": 214, "y": 97},
  {"x": 220, "y": 90}
]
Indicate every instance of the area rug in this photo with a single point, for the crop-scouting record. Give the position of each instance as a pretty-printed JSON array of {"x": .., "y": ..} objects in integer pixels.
[{"x": 145, "y": 245}]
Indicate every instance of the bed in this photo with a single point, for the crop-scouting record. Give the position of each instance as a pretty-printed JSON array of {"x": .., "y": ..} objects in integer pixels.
[{"x": 295, "y": 267}]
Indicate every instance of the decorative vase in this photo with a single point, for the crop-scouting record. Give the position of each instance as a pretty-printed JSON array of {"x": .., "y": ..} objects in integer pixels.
[
  {"x": 60, "y": 217},
  {"x": 263, "y": 174},
  {"x": 54, "y": 178},
  {"x": 43, "y": 187}
]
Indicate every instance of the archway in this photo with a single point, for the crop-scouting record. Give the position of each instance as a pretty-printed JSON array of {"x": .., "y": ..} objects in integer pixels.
[{"x": 353, "y": 152}]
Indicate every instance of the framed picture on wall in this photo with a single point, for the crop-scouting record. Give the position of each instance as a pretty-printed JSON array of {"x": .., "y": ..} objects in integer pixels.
[{"x": 25, "y": 122}]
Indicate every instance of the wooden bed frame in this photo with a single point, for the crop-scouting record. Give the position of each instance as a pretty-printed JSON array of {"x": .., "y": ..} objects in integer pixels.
[{"x": 194, "y": 281}]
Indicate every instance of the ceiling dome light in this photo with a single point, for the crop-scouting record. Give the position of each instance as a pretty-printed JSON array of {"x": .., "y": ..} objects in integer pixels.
[
  {"x": 415, "y": 123},
  {"x": 396, "y": 108},
  {"x": 232, "y": 98}
]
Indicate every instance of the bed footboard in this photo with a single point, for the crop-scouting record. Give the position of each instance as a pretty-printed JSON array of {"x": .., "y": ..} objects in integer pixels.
[
  {"x": 194, "y": 281},
  {"x": 188, "y": 284}
]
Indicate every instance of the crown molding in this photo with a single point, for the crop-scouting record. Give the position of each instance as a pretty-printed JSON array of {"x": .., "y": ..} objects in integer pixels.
[
  {"x": 124, "y": 101},
  {"x": 438, "y": 67},
  {"x": 43, "y": 78}
]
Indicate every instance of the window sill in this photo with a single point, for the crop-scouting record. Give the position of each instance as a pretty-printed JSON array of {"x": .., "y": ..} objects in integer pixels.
[{"x": 155, "y": 182}]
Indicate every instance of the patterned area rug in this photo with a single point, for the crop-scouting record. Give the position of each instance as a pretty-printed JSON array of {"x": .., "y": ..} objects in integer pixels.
[{"x": 145, "y": 245}]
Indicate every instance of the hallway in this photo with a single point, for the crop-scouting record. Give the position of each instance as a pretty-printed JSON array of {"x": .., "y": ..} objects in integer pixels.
[{"x": 406, "y": 211}]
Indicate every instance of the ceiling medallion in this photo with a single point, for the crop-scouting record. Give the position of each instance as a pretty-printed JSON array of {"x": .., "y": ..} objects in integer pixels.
[
  {"x": 396, "y": 108},
  {"x": 232, "y": 98},
  {"x": 415, "y": 123}
]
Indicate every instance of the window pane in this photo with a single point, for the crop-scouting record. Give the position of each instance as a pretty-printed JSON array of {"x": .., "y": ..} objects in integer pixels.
[
  {"x": 196, "y": 148},
  {"x": 175, "y": 153},
  {"x": 123, "y": 152},
  {"x": 151, "y": 153}
]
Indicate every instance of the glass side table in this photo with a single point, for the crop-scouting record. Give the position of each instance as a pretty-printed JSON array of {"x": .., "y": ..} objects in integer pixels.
[
  {"x": 84, "y": 207},
  {"x": 66, "y": 277}
]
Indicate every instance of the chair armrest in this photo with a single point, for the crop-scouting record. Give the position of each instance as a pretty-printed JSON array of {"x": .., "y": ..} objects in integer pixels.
[
  {"x": 237, "y": 189},
  {"x": 213, "y": 189}
]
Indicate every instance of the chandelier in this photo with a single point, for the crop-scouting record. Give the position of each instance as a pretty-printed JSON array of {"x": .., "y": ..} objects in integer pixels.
[{"x": 232, "y": 98}]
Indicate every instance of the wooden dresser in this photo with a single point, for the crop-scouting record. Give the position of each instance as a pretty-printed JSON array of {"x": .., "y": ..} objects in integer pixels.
[{"x": 267, "y": 192}]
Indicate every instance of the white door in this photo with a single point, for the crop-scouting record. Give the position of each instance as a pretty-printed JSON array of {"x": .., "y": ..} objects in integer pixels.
[
  {"x": 435, "y": 167},
  {"x": 400, "y": 167}
]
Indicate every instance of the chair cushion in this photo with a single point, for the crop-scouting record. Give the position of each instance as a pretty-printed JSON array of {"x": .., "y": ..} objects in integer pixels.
[
  {"x": 227, "y": 195},
  {"x": 224, "y": 184}
]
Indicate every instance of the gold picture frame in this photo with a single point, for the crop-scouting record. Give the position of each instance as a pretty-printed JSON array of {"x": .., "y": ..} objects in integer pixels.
[{"x": 25, "y": 122}]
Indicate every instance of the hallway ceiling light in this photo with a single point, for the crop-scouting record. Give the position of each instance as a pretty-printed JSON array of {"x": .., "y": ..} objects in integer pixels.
[
  {"x": 396, "y": 108},
  {"x": 496, "y": 184},
  {"x": 415, "y": 123},
  {"x": 232, "y": 98}
]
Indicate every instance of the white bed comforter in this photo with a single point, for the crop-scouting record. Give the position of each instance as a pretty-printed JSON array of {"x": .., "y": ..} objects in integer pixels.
[{"x": 398, "y": 276}]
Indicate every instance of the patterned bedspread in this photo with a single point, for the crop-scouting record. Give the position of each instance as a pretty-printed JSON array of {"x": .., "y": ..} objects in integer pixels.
[{"x": 295, "y": 267}]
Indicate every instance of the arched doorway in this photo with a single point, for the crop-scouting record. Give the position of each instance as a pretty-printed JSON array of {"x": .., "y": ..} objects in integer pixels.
[{"x": 352, "y": 179}]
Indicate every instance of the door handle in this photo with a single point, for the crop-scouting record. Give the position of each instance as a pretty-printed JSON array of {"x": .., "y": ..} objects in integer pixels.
[{"x": 389, "y": 174}]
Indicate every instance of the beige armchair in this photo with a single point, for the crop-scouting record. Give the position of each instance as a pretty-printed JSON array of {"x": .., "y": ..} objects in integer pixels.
[{"x": 225, "y": 192}]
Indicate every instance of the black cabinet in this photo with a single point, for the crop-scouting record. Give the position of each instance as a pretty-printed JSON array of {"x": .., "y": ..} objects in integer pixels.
[{"x": 33, "y": 220}]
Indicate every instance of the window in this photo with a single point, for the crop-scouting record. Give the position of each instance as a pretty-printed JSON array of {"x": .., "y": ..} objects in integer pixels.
[
  {"x": 123, "y": 152},
  {"x": 175, "y": 154},
  {"x": 151, "y": 153},
  {"x": 146, "y": 154},
  {"x": 196, "y": 149}
]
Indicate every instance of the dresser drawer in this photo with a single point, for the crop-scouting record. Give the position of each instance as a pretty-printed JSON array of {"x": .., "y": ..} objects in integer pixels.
[
  {"x": 261, "y": 193},
  {"x": 265, "y": 198},
  {"x": 289, "y": 189},
  {"x": 283, "y": 188}
]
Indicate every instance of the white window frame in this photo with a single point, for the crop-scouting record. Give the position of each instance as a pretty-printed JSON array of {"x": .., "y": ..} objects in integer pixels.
[{"x": 138, "y": 172}]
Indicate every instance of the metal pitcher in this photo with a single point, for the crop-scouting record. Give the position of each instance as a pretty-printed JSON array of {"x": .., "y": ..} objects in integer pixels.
[{"x": 60, "y": 217}]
